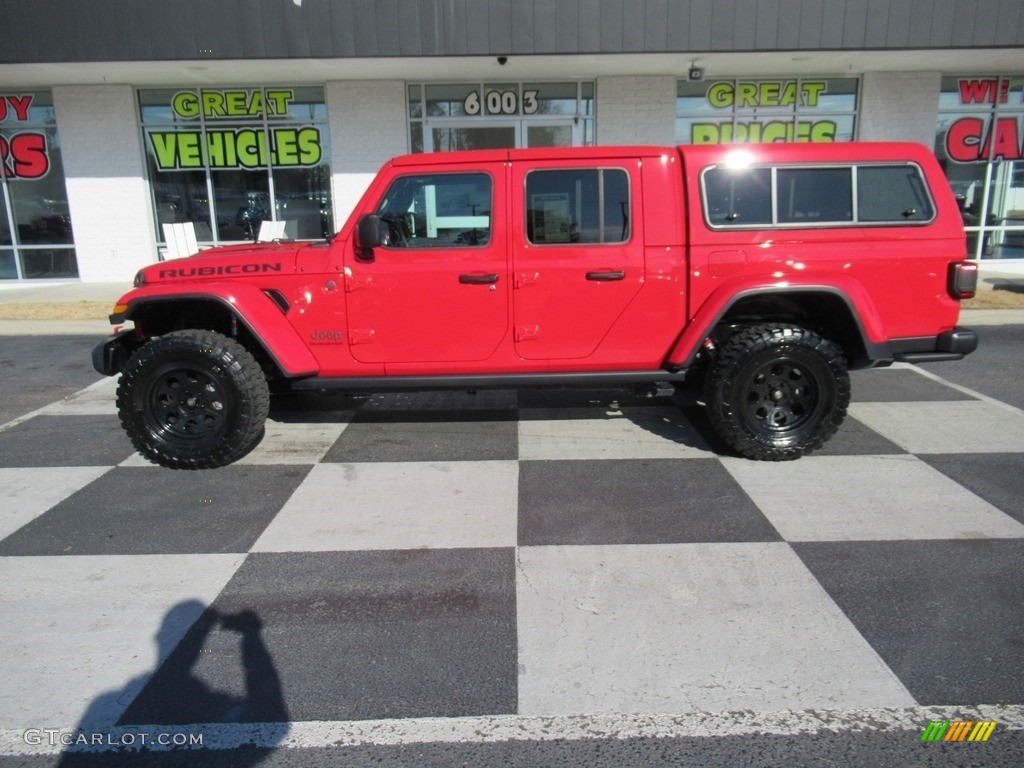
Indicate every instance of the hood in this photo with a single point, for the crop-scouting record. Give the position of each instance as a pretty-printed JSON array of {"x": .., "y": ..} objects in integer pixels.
[{"x": 228, "y": 261}]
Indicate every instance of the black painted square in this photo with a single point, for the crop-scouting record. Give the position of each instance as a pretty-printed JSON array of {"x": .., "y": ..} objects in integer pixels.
[
  {"x": 854, "y": 438},
  {"x": 143, "y": 510},
  {"x": 900, "y": 386},
  {"x": 944, "y": 615},
  {"x": 427, "y": 436},
  {"x": 998, "y": 478},
  {"x": 653, "y": 501},
  {"x": 347, "y": 636},
  {"x": 65, "y": 441}
]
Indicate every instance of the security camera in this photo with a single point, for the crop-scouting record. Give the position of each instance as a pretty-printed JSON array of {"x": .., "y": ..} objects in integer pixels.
[
  {"x": 503, "y": 60},
  {"x": 696, "y": 74}
]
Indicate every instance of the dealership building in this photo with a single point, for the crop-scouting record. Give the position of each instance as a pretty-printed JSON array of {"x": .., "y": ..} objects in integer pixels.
[{"x": 118, "y": 119}]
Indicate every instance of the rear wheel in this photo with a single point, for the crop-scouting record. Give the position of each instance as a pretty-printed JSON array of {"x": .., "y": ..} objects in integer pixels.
[
  {"x": 777, "y": 392},
  {"x": 193, "y": 400}
]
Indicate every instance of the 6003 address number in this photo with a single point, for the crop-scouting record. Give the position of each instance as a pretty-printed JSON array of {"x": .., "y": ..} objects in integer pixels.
[{"x": 500, "y": 103}]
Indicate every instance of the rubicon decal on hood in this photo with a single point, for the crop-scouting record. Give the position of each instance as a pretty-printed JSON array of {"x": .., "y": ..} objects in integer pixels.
[{"x": 225, "y": 269}]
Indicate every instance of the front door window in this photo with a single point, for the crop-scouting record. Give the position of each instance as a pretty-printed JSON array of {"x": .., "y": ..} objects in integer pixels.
[{"x": 437, "y": 289}]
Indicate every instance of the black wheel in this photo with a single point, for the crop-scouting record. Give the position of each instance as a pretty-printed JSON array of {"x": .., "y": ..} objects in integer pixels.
[
  {"x": 777, "y": 392},
  {"x": 193, "y": 400}
]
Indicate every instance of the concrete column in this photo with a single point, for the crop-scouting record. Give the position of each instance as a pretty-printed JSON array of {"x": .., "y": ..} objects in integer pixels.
[
  {"x": 108, "y": 197},
  {"x": 899, "y": 106},
  {"x": 636, "y": 109},
  {"x": 369, "y": 124}
]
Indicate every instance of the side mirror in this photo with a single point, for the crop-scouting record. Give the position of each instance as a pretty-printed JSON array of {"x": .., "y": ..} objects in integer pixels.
[{"x": 368, "y": 232}]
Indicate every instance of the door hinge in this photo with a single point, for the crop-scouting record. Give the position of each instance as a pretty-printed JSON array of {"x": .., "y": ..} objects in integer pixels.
[
  {"x": 360, "y": 336},
  {"x": 523, "y": 279},
  {"x": 527, "y": 332},
  {"x": 353, "y": 283}
]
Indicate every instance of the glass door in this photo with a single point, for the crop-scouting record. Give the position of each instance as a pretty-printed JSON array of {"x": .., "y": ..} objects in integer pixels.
[
  {"x": 456, "y": 136},
  {"x": 550, "y": 134},
  {"x": 445, "y": 117}
]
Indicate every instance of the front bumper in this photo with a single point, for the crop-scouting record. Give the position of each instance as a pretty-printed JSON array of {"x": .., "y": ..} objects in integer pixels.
[
  {"x": 109, "y": 356},
  {"x": 951, "y": 345}
]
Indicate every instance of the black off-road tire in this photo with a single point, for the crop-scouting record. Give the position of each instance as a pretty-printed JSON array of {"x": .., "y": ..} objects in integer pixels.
[
  {"x": 193, "y": 399},
  {"x": 775, "y": 392}
]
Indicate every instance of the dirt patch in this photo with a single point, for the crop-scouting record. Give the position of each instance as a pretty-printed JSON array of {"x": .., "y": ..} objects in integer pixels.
[
  {"x": 995, "y": 299},
  {"x": 56, "y": 310}
]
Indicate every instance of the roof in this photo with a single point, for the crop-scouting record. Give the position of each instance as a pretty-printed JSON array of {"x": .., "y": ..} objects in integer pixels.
[{"x": 849, "y": 151}]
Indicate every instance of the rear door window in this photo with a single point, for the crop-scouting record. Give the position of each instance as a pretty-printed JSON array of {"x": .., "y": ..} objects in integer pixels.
[{"x": 577, "y": 206}]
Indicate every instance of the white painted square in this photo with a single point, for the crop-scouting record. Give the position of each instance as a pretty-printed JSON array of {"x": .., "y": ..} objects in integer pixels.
[
  {"x": 98, "y": 399},
  {"x": 687, "y": 627},
  {"x": 400, "y": 505},
  {"x": 295, "y": 443},
  {"x": 82, "y": 635},
  {"x": 606, "y": 433},
  {"x": 867, "y": 498},
  {"x": 136, "y": 460},
  {"x": 966, "y": 426},
  {"x": 26, "y": 493}
]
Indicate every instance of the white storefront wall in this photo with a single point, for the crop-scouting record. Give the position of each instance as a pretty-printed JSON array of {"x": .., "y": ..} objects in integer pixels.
[
  {"x": 108, "y": 197},
  {"x": 111, "y": 207}
]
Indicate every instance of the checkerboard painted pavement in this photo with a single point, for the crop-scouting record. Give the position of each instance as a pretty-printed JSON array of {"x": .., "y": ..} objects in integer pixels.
[{"x": 511, "y": 553}]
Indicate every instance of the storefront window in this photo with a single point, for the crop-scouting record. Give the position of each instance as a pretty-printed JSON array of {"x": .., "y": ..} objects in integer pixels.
[
  {"x": 497, "y": 115},
  {"x": 229, "y": 159},
  {"x": 765, "y": 111},
  {"x": 36, "y": 240},
  {"x": 5, "y": 224},
  {"x": 242, "y": 203},
  {"x": 980, "y": 141}
]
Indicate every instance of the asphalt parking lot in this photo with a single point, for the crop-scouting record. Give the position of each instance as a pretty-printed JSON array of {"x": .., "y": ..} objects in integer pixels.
[{"x": 515, "y": 578}]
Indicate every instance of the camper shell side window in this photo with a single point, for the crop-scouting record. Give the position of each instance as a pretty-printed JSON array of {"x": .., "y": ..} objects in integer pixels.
[{"x": 883, "y": 194}]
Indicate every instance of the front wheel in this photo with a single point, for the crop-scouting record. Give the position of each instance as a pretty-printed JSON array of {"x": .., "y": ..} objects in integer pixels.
[
  {"x": 777, "y": 392},
  {"x": 193, "y": 400}
]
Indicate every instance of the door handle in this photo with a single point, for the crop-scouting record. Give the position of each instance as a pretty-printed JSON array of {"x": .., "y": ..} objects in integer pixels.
[
  {"x": 477, "y": 279},
  {"x": 606, "y": 275}
]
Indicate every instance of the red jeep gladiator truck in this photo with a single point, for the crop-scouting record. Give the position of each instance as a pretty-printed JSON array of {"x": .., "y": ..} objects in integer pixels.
[{"x": 768, "y": 271}]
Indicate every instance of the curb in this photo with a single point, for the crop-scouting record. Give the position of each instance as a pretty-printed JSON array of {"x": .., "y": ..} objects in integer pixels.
[{"x": 969, "y": 317}]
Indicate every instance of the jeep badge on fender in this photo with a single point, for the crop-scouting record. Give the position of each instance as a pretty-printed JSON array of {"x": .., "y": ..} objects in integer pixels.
[{"x": 765, "y": 271}]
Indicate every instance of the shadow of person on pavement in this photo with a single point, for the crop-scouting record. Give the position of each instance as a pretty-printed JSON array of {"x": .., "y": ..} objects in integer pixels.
[{"x": 187, "y": 692}]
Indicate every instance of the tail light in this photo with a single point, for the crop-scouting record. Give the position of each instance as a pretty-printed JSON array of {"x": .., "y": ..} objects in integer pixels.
[{"x": 963, "y": 279}]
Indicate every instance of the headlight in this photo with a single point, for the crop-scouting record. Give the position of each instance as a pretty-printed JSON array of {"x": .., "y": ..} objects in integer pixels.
[{"x": 140, "y": 280}]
